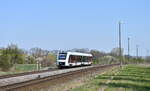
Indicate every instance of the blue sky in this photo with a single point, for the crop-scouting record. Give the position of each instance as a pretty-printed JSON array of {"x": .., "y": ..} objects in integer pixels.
[{"x": 67, "y": 24}]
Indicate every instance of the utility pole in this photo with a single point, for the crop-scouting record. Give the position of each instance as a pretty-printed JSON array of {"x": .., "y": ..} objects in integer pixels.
[
  {"x": 120, "y": 52},
  {"x": 128, "y": 48},
  {"x": 147, "y": 52},
  {"x": 137, "y": 51}
]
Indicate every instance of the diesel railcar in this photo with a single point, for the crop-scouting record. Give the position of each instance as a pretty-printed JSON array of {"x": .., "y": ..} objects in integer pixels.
[{"x": 72, "y": 59}]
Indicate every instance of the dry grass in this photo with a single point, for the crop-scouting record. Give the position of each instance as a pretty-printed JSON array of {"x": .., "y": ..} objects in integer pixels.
[{"x": 129, "y": 78}]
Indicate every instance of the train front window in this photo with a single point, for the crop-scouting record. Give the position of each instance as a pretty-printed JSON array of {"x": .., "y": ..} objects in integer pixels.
[{"x": 62, "y": 56}]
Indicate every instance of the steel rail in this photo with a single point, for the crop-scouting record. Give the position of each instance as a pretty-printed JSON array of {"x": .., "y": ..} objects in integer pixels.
[{"x": 38, "y": 80}]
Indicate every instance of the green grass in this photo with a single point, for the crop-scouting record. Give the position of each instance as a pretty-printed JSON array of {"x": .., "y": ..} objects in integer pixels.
[
  {"x": 19, "y": 68},
  {"x": 25, "y": 67},
  {"x": 129, "y": 78}
]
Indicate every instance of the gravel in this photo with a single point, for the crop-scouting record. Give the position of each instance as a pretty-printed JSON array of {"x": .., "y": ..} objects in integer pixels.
[{"x": 19, "y": 79}]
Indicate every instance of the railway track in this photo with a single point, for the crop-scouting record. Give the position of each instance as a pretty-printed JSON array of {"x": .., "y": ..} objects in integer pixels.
[
  {"x": 26, "y": 73},
  {"x": 53, "y": 78}
]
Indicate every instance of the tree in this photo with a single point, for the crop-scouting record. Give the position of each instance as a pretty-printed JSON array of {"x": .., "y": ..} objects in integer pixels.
[
  {"x": 5, "y": 61},
  {"x": 38, "y": 52},
  {"x": 82, "y": 50},
  {"x": 30, "y": 60},
  {"x": 116, "y": 52},
  {"x": 147, "y": 59},
  {"x": 49, "y": 60},
  {"x": 16, "y": 54},
  {"x": 97, "y": 54},
  {"x": 10, "y": 56}
]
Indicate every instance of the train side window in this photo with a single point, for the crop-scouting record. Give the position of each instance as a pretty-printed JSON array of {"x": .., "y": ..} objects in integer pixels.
[
  {"x": 80, "y": 58},
  {"x": 71, "y": 59},
  {"x": 84, "y": 59},
  {"x": 89, "y": 59}
]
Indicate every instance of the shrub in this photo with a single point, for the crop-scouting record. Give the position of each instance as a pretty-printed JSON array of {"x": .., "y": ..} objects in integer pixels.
[{"x": 5, "y": 62}]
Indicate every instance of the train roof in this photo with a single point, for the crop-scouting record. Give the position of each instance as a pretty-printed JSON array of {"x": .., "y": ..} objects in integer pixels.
[{"x": 78, "y": 53}]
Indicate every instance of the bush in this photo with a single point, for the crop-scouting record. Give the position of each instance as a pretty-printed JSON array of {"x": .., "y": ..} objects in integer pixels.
[
  {"x": 49, "y": 60},
  {"x": 5, "y": 62},
  {"x": 9, "y": 56},
  {"x": 30, "y": 60}
]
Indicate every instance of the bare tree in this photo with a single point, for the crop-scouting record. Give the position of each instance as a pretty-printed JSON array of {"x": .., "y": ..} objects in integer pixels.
[{"x": 116, "y": 52}]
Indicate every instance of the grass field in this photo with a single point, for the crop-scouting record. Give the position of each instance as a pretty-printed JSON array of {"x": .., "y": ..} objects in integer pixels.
[
  {"x": 19, "y": 68},
  {"x": 129, "y": 78},
  {"x": 25, "y": 67}
]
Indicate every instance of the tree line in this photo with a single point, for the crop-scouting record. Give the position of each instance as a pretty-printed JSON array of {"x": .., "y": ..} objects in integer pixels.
[{"x": 12, "y": 55}]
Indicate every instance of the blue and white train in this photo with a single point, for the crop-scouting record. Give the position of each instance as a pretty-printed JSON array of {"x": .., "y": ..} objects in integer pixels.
[{"x": 72, "y": 59}]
